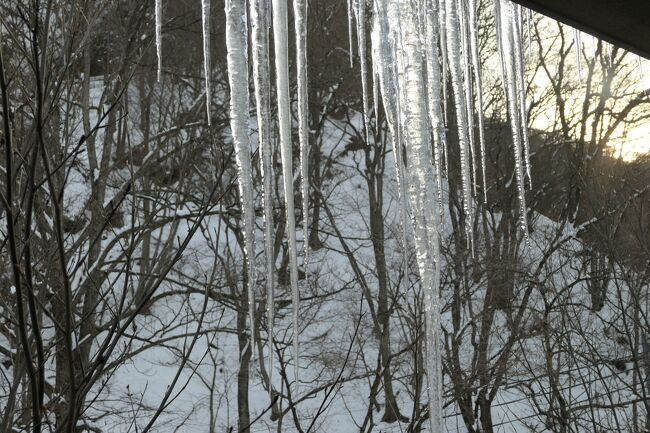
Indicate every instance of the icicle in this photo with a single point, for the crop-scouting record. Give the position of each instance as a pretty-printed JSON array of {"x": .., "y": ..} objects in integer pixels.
[
  {"x": 375, "y": 94},
  {"x": 281, "y": 49},
  {"x": 443, "y": 58},
  {"x": 476, "y": 66},
  {"x": 508, "y": 56},
  {"x": 237, "y": 58},
  {"x": 300, "y": 24},
  {"x": 443, "y": 52},
  {"x": 521, "y": 92},
  {"x": 576, "y": 37},
  {"x": 445, "y": 153},
  {"x": 529, "y": 22},
  {"x": 259, "y": 14},
  {"x": 205, "y": 19},
  {"x": 412, "y": 101},
  {"x": 594, "y": 46},
  {"x": 468, "y": 94},
  {"x": 498, "y": 24},
  {"x": 434, "y": 91},
  {"x": 398, "y": 150},
  {"x": 455, "y": 69},
  {"x": 383, "y": 52},
  {"x": 350, "y": 33},
  {"x": 610, "y": 52},
  {"x": 158, "y": 13},
  {"x": 384, "y": 60},
  {"x": 361, "y": 38}
]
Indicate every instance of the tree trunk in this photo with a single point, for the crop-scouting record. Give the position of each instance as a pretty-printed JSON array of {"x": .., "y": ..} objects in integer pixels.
[
  {"x": 243, "y": 375},
  {"x": 375, "y": 191}
]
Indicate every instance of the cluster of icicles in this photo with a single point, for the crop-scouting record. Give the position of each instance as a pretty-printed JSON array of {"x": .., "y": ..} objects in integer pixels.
[{"x": 417, "y": 47}]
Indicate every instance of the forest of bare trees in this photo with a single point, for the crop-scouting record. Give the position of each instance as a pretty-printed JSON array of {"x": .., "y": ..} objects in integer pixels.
[{"x": 123, "y": 285}]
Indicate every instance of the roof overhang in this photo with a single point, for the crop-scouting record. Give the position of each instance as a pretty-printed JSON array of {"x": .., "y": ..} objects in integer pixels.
[{"x": 624, "y": 23}]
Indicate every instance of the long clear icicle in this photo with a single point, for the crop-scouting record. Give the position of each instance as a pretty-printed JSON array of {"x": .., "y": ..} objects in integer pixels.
[
  {"x": 443, "y": 55},
  {"x": 610, "y": 53},
  {"x": 281, "y": 49},
  {"x": 350, "y": 33},
  {"x": 443, "y": 59},
  {"x": 594, "y": 47},
  {"x": 300, "y": 25},
  {"x": 384, "y": 61},
  {"x": 411, "y": 96},
  {"x": 455, "y": 69},
  {"x": 375, "y": 89},
  {"x": 467, "y": 81},
  {"x": 434, "y": 91},
  {"x": 398, "y": 150},
  {"x": 237, "y": 58},
  {"x": 578, "y": 43},
  {"x": 476, "y": 67},
  {"x": 158, "y": 14},
  {"x": 361, "y": 38},
  {"x": 529, "y": 23},
  {"x": 521, "y": 89},
  {"x": 205, "y": 20},
  {"x": 259, "y": 15},
  {"x": 640, "y": 68},
  {"x": 508, "y": 54}
]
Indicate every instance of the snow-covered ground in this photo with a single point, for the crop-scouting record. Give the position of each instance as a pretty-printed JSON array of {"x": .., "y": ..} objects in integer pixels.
[{"x": 587, "y": 379}]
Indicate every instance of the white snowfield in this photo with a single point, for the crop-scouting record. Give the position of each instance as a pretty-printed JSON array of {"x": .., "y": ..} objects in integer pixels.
[{"x": 207, "y": 387}]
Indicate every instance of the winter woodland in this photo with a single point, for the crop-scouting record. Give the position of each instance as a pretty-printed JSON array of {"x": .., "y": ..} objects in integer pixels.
[{"x": 320, "y": 216}]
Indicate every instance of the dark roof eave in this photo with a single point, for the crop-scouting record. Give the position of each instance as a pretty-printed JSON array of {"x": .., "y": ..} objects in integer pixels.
[{"x": 624, "y": 23}]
